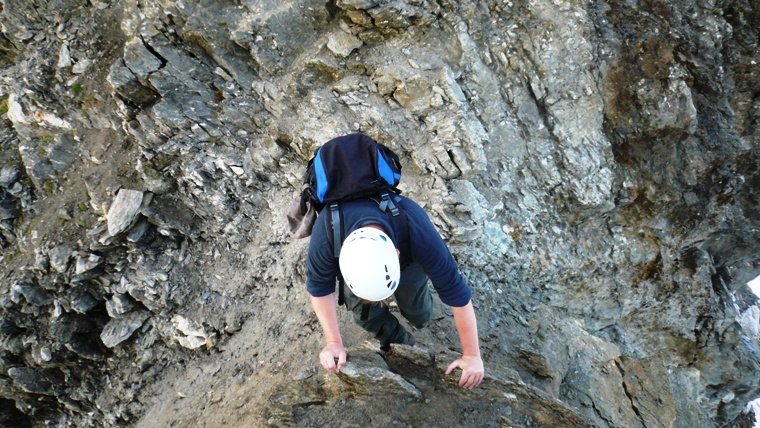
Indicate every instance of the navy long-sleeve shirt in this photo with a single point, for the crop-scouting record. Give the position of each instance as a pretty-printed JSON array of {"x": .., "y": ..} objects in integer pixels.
[{"x": 425, "y": 245}]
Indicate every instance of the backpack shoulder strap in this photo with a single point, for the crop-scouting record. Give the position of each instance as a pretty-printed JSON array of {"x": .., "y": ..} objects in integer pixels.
[
  {"x": 404, "y": 245},
  {"x": 400, "y": 224},
  {"x": 337, "y": 228}
]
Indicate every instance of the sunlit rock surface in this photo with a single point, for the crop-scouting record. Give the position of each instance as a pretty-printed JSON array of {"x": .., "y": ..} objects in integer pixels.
[{"x": 594, "y": 168}]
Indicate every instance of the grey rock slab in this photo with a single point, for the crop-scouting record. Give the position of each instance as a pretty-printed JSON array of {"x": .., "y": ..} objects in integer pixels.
[
  {"x": 139, "y": 60},
  {"x": 33, "y": 294},
  {"x": 8, "y": 176},
  {"x": 124, "y": 210},
  {"x": 30, "y": 380},
  {"x": 374, "y": 380},
  {"x": 168, "y": 213},
  {"x": 412, "y": 354},
  {"x": 64, "y": 56},
  {"x": 120, "y": 329}
]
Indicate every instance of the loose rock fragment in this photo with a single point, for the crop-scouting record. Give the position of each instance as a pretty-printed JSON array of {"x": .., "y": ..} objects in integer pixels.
[
  {"x": 375, "y": 380},
  {"x": 120, "y": 329},
  {"x": 60, "y": 257},
  {"x": 124, "y": 210}
]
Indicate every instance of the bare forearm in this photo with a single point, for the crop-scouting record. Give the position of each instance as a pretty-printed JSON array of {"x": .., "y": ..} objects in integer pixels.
[
  {"x": 467, "y": 327},
  {"x": 471, "y": 363},
  {"x": 333, "y": 356},
  {"x": 327, "y": 315}
]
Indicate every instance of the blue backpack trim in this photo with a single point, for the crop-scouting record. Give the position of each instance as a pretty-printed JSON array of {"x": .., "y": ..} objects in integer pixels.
[
  {"x": 391, "y": 177},
  {"x": 319, "y": 171}
]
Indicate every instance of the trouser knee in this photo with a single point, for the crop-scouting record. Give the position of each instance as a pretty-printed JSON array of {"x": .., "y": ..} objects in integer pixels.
[
  {"x": 420, "y": 320},
  {"x": 413, "y": 296}
]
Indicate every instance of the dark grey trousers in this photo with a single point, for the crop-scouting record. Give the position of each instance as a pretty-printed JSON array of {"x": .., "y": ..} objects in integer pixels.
[{"x": 414, "y": 301}]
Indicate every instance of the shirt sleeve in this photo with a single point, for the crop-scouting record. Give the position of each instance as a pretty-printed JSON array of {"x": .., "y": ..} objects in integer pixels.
[
  {"x": 321, "y": 266},
  {"x": 430, "y": 251}
]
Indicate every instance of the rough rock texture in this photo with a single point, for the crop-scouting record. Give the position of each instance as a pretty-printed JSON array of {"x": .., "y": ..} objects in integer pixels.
[{"x": 593, "y": 166}]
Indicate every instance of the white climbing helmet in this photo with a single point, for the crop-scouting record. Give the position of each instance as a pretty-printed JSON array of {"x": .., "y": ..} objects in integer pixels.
[{"x": 369, "y": 264}]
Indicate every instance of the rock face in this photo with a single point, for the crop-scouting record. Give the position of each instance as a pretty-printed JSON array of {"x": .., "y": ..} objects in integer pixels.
[{"x": 594, "y": 168}]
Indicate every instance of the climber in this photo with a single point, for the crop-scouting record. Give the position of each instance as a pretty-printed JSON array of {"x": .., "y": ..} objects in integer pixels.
[{"x": 374, "y": 267}]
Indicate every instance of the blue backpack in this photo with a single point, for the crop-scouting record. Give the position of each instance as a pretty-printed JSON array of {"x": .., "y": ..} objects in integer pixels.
[{"x": 349, "y": 167}]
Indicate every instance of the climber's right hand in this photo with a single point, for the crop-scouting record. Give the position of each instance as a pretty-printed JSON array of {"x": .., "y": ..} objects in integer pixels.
[{"x": 331, "y": 352}]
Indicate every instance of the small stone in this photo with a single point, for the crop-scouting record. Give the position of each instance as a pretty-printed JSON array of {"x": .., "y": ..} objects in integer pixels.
[
  {"x": 45, "y": 354},
  {"x": 81, "y": 66},
  {"x": 8, "y": 209},
  {"x": 87, "y": 263},
  {"x": 306, "y": 374},
  {"x": 60, "y": 257},
  {"x": 84, "y": 303},
  {"x": 356, "y": 4},
  {"x": 8, "y": 176},
  {"x": 214, "y": 397},
  {"x": 64, "y": 214},
  {"x": 189, "y": 334},
  {"x": 86, "y": 347},
  {"x": 342, "y": 44},
  {"x": 64, "y": 56},
  {"x": 212, "y": 369},
  {"x": 232, "y": 329}
]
